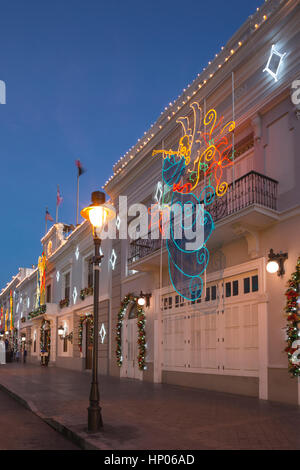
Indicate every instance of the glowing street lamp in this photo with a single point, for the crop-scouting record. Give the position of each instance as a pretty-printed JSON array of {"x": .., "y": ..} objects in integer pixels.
[{"x": 97, "y": 213}]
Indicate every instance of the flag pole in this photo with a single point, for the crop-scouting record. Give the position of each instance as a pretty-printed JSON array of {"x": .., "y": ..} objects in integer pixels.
[
  {"x": 56, "y": 218},
  {"x": 77, "y": 199}
]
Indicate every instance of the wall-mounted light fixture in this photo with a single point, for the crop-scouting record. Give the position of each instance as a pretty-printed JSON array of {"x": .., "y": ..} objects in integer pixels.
[
  {"x": 276, "y": 262},
  {"x": 144, "y": 299},
  {"x": 61, "y": 331}
]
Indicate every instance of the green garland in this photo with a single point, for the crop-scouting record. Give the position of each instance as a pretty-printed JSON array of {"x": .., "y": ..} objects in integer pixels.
[
  {"x": 85, "y": 292},
  {"x": 141, "y": 322},
  {"x": 64, "y": 303},
  {"x": 38, "y": 311},
  {"x": 293, "y": 318},
  {"x": 82, "y": 320}
]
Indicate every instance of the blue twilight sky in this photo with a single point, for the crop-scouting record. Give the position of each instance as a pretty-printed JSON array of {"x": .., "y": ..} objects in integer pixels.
[{"x": 85, "y": 79}]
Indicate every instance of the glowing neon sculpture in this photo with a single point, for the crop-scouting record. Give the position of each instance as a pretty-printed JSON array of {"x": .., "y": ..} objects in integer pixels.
[
  {"x": 11, "y": 308},
  {"x": 200, "y": 156},
  {"x": 41, "y": 281},
  {"x": 1, "y": 317},
  {"x": 274, "y": 62}
]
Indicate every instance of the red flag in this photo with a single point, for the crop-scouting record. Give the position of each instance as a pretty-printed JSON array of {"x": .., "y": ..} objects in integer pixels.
[
  {"x": 48, "y": 216},
  {"x": 59, "y": 197},
  {"x": 80, "y": 168}
]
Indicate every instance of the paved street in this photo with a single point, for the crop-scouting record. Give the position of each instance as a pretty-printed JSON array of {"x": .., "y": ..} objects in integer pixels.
[
  {"x": 21, "y": 429},
  {"x": 139, "y": 415}
]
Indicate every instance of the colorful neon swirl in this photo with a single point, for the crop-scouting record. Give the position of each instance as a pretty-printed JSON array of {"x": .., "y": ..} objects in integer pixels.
[{"x": 200, "y": 155}]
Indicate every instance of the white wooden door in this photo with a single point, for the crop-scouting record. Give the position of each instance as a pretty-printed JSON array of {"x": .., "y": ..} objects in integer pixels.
[
  {"x": 240, "y": 339},
  {"x": 217, "y": 335},
  {"x": 131, "y": 350}
]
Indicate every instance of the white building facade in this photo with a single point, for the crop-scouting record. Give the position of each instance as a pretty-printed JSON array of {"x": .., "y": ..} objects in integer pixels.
[{"x": 232, "y": 337}]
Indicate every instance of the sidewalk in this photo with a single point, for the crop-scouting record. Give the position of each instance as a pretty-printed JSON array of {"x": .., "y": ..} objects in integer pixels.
[{"x": 140, "y": 415}]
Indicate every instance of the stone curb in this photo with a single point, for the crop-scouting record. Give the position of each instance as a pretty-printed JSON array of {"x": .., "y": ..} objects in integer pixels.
[{"x": 77, "y": 438}]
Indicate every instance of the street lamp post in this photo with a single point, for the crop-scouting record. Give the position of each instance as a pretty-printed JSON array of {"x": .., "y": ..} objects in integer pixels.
[{"x": 97, "y": 213}]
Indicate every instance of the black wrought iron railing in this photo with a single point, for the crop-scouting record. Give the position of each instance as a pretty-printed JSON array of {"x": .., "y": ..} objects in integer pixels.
[{"x": 252, "y": 188}]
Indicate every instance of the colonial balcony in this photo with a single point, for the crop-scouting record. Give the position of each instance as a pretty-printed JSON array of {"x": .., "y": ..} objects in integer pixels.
[{"x": 250, "y": 201}]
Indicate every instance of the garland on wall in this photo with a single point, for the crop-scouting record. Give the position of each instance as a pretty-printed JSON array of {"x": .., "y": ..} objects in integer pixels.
[
  {"x": 85, "y": 292},
  {"x": 45, "y": 340},
  {"x": 293, "y": 325},
  {"x": 82, "y": 320},
  {"x": 141, "y": 322}
]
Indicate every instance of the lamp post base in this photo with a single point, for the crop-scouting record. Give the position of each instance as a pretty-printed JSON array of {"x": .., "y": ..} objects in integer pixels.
[{"x": 94, "y": 418}]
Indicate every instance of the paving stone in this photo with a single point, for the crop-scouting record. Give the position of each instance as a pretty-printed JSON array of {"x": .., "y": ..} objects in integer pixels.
[{"x": 142, "y": 415}]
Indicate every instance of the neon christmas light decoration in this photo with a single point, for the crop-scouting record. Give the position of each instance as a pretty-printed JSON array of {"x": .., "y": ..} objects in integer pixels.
[
  {"x": 195, "y": 167},
  {"x": 11, "y": 309},
  {"x": 113, "y": 259},
  {"x": 274, "y": 62},
  {"x": 41, "y": 281}
]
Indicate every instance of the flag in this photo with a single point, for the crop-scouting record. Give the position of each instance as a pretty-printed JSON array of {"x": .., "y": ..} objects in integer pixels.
[
  {"x": 48, "y": 216},
  {"x": 59, "y": 197},
  {"x": 81, "y": 170}
]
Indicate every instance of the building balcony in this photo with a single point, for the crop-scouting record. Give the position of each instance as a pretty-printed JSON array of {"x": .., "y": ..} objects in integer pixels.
[{"x": 250, "y": 201}]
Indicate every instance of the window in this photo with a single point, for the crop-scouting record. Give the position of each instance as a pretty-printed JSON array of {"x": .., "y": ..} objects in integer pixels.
[
  {"x": 90, "y": 276},
  {"x": 48, "y": 294},
  {"x": 67, "y": 286},
  {"x": 254, "y": 283},
  {"x": 65, "y": 345},
  {"x": 228, "y": 289},
  {"x": 133, "y": 312},
  {"x": 235, "y": 288},
  {"x": 246, "y": 285},
  {"x": 207, "y": 298},
  {"x": 213, "y": 292},
  {"x": 34, "y": 344}
]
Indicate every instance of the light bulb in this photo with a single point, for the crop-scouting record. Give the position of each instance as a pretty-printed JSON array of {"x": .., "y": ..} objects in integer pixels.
[
  {"x": 97, "y": 216},
  {"x": 141, "y": 301},
  {"x": 272, "y": 267}
]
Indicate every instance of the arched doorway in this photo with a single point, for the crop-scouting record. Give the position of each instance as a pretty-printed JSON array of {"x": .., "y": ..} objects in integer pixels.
[{"x": 130, "y": 367}]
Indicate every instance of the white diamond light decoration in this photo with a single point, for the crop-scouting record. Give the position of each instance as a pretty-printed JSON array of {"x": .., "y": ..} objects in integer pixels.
[
  {"x": 77, "y": 253},
  {"x": 113, "y": 259},
  {"x": 274, "y": 62},
  {"x": 102, "y": 333},
  {"x": 28, "y": 302},
  {"x": 158, "y": 193},
  {"x": 74, "y": 295},
  {"x": 118, "y": 222},
  {"x": 57, "y": 276}
]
